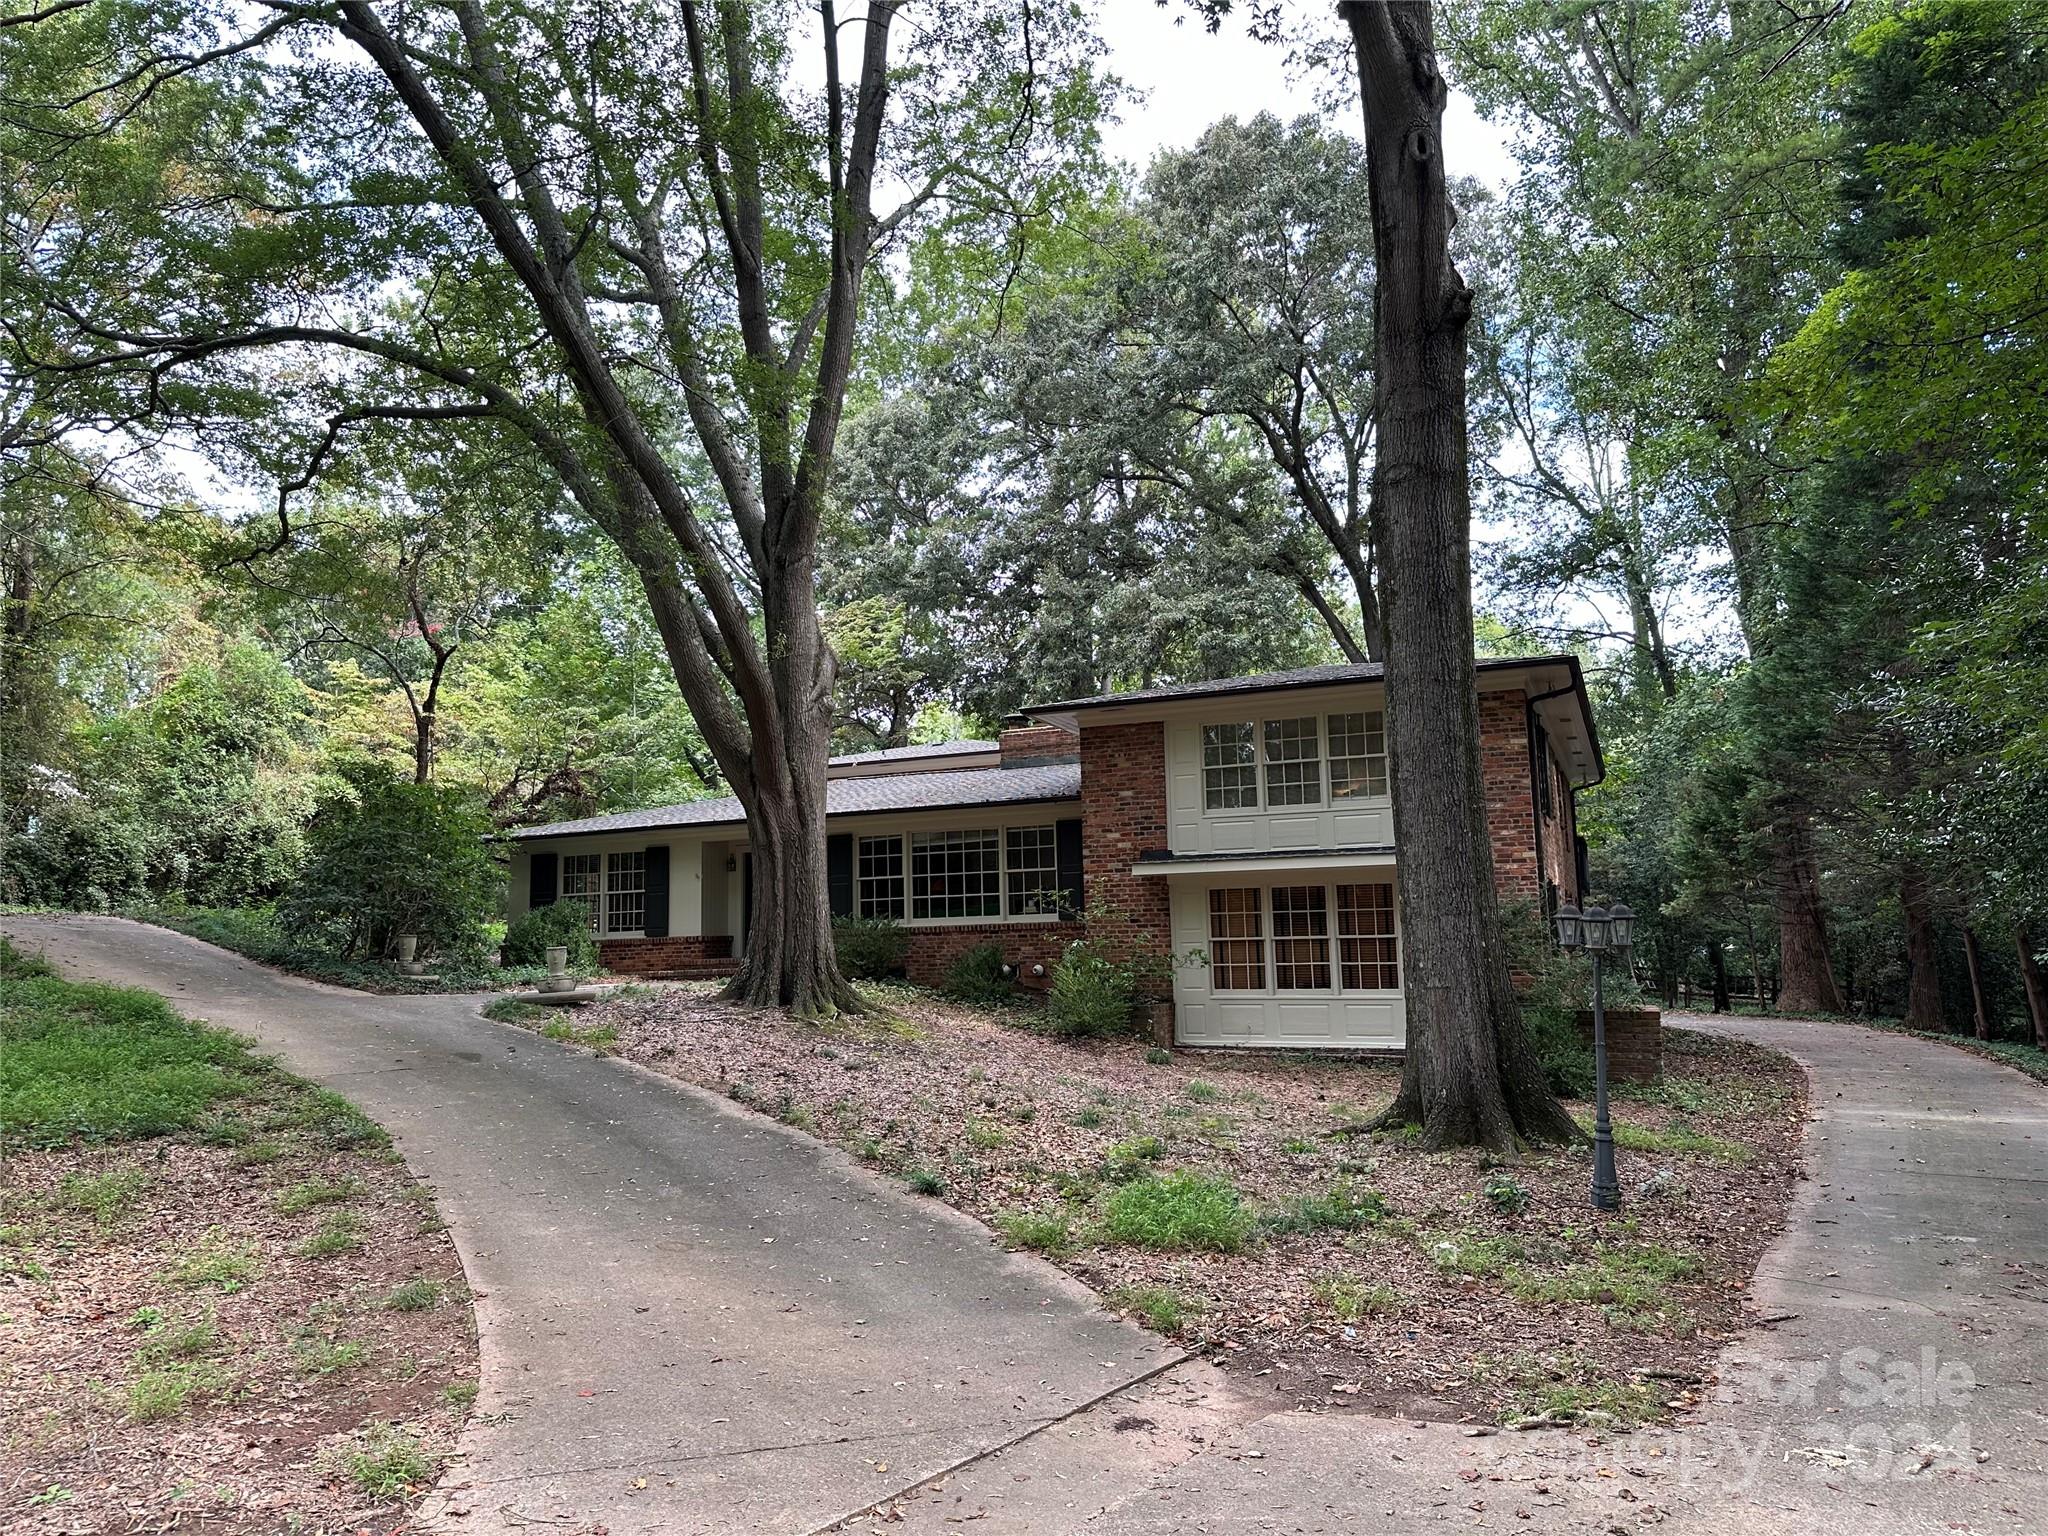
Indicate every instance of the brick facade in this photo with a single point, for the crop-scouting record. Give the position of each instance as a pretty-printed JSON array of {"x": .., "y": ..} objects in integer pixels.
[
  {"x": 1123, "y": 814},
  {"x": 1635, "y": 1043},
  {"x": 1023, "y": 746},
  {"x": 933, "y": 950},
  {"x": 708, "y": 954},
  {"x": 1515, "y": 817}
]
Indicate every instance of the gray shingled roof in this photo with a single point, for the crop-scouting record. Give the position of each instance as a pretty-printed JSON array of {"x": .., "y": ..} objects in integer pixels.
[
  {"x": 946, "y": 789},
  {"x": 911, "y": 754},
  {"x": 1299, "y": 677}
]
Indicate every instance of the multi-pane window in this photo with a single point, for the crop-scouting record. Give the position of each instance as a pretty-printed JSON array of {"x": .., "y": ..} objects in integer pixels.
[
  {"x": 1294, "y": 762},
  {"x": 1358, "y": 755},
  {"x": 1237, "y": 940},
  {"x": 956, "y": 874},
  {"x": 1366, "y": 945},
  {"x": 582, "y": 875},
  {"x": 881, "y": 877},
  {"x": 625, "y": 892},
  {"x": 1034, "y": 874},
  {"x": 1301, "y": 938},
  {"x": 1230, "y": 769}
]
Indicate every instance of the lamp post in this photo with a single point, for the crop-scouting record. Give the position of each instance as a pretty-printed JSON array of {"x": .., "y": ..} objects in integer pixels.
[{"x": 1597, "y": 930}]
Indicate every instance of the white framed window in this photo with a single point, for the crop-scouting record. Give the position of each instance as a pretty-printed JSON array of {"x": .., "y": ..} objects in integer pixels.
[
  {"x": 625, "y": 892},
  {"x": 582, "y": 882},
  {"x": 1230, "y": 769},
  {"x": 956, "y": 874},
  {"x": 1294, "y": 762},
  {"x": 1033, "y": 875},
  {"x": 1301, "y": 938},
  {"x": 1358, "y": 755},
  {"x": 880, "y": 875},
  {"x": 1368, "y": 949},
  {"x": 1237, "y": 939}
]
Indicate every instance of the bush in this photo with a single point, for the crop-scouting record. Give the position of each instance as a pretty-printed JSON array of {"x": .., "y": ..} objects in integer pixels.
[
  {"x": 530, "y": 935},
  {"x": 1091, "y": 994},
  {"x": 1189, "y": 1211},
  {"x": 977, "y": 976},
  {"x": 1567, "y": 1057},
  {"x": 870, "y": 948},
  {"x": 391, "y": 857}
]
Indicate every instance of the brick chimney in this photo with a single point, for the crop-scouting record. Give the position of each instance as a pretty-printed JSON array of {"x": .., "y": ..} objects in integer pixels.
[{"x": 1025, "y": 745}]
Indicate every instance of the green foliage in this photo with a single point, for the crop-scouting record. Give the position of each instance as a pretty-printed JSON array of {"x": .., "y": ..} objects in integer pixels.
[
  {"x": 215, "y": 1261},
  {"x": 389, "y": 1464},
  {"x": 976, "y": 976},
  {"x": 1127, "y": 1159},
  {"x": 259, "y": 933},
  {"x": 109, "y": 1196},
  {"x": 1160, "y": 1306},
  {"x": 922, "y": 1181},
  {"x": 166, "y": 1391},
  {"x": 1190, "y": 1211},
  {"x": 1091, "y": 994},
  {"x": 415, "y": 1295},
  {"x": 1041, "y": 1231},
  {"x": 870, "y": 948},
  {"x": 308, "y": 1193},
  {"x": 1506, "y": 1194},
  {"x": 388, "y": 857},
  {"x": 529, "y": 936},
  {"x": 97, "y": 1063},
  {"x": 1354, "y": 1299},
  {"x": 1345, "y": 1206},
  {"x": 316, "y": 1354},
  {"x": 339, "y": 1233}
]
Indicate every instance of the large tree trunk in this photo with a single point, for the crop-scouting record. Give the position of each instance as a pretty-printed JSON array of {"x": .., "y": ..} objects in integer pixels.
[
  {"x": 2037, "y": 990},
  {"x": 1471, "y": 1076},
  {"x": 1722, "y": 1002},
  {"x": 1806, "y": 980},
  {"x": 1923, "y": 967},
  {"x": 1980, "y": 1011}
]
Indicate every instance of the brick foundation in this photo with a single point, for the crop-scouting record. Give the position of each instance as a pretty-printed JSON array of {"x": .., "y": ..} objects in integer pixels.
[
  {"x": 933, "y": 950},
  {"x": 1635, "y": 1043},
  {"x": 660, "y": 957}
]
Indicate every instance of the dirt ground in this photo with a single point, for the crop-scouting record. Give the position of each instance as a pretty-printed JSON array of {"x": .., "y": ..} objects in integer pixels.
[
  {"x": 1370, "y": 1275},
  {"x": 263, "y": 1337}
]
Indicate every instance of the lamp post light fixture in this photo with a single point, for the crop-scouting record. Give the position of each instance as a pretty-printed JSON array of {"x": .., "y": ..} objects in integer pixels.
[{"x": 1598, "y": 930}]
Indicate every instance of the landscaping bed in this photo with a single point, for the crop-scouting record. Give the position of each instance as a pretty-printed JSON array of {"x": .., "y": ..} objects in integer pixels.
[
  {"x": 1225, "y": 1199},
  {"x": 256, "y": 933},
  {"x": 224, "y": 1303}
]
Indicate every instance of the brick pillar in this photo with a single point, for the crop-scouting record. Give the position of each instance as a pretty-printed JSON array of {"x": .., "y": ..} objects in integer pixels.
[
  {"x": 1123, "y": 814},
  {"x": 1510, "y": 797}
]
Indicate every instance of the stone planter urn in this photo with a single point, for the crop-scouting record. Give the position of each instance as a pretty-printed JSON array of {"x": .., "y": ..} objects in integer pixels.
[
  {"x": 558, "y": 978},
  {"x": 408, "y": 962}
]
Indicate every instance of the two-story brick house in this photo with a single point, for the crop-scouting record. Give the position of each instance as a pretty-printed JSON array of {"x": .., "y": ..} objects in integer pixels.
[{"x": 1244, "y": 821}]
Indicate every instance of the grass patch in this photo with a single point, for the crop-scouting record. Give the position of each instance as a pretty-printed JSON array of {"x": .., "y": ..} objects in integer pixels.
[
  {"x": 1181, "y": 1211},
  {"x": 1484, "y": 1258},
  {"x": 1199, "y": 1092},
  {"x": 214, "y": 1261},
  {"x": 166, "y": 1391},
  {"x": 329, "y": 1119},
  {"x": 1678, "y": 1140},
  {"x": 460, "y": 1393},
  {"x": 108, "y": 1197},
  {"x": 1088, "y": 1119},
  {"x": 1353, "y": 1299},
  {"x": 1569, "y": 1390},
  {"x": 510, "y": 1010},
  {"x": 1160, "y": 1306},
  {"x": 416, "y": 1295},
  {"x": 389, "y": 1464},
  {"x": 1630, "y": 1283},
  {"x": 1040, "y": 1231},
  {"x": 315, "y": 1354},
  {"x": 308, "y": 1193},
  {"x": 602, "y": 1039},
  {"x": 339, "y": 1233},
  {"x": 1158, "y": 1056},
  {"x": 81, "y": 1062},
  {"x": 922, "y": 1181},
  {"x": 166, "y": 1340},
  {"x": 1343, "y": 1206},
  {"x": 257, "y": 1153},
  {"x": 1127, "y": 1159},
  {"x": 985, "y": 1134}
]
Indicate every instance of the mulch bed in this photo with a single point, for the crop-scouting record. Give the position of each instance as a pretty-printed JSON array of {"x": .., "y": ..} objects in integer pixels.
[
  {"x": 1013, "y": 1121},
  {"x": 192, "y": 1271}
]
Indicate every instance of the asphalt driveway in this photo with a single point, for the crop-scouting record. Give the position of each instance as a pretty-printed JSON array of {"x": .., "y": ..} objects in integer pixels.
[{"x": 691, "y": 1319}]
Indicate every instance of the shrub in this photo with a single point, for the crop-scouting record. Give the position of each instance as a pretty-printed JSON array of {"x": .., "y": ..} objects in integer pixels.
[
  {"x": 870, "y": 948},
  {"x": 977, "y": 976},
  {"x": 1567, "y": 1057},
  {"x": 388, "y": 857},
  {"x": 1091, "y": 994},
  {"x": 1507, "y": 1195},
  {"x": 530, "y": 936},
  {"x": 1186, "y": 1211}
]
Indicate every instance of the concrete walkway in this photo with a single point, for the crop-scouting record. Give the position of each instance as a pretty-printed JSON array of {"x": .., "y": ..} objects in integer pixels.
[
  {"x": 692, "y": 1320},
  {"x": 772, "y": 1339}
]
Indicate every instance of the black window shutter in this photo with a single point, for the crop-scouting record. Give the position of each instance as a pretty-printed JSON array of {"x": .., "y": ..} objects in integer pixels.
[
  {"x": 540, "y": 887},
  {"x": 655, "y": 923},
  {"x": 1067, "y": 865},
  {"x": 839, "y": 873}
]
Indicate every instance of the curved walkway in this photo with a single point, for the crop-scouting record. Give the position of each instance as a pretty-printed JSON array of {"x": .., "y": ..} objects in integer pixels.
[
  {"x": 691, "y": 1319},
  {"x": 675, "y": 1292}
]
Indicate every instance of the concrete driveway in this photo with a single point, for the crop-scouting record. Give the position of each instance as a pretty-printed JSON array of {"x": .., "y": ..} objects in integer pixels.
[
  {"x": 692, "y": 1319},
  {"x": 774, "y": 1340}
]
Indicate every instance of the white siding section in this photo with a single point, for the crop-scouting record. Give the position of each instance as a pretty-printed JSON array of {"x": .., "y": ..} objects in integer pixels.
[
  {"x": 1367, "y": 823},
  {"x": 1329, "y": 1021}
]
